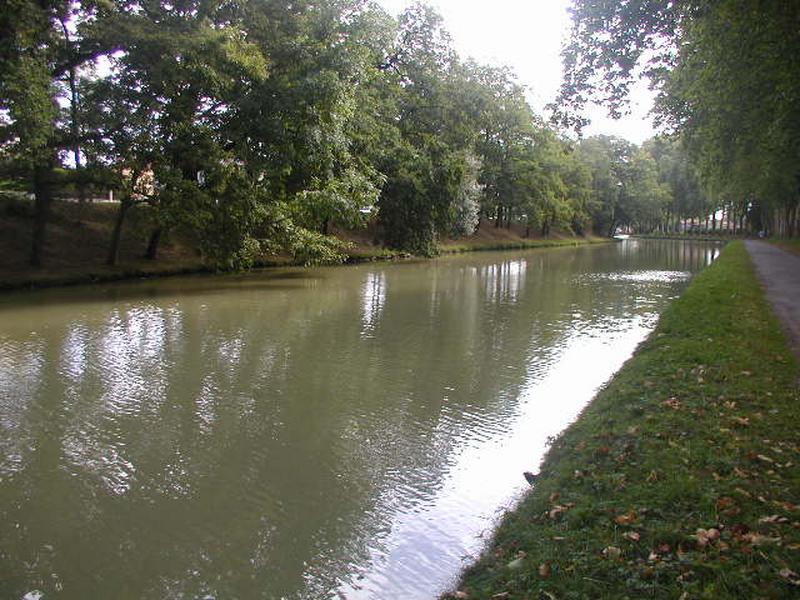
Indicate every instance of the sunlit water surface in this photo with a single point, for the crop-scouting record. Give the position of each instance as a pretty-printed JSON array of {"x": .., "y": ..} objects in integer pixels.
[{"x": 328, "y": 433}]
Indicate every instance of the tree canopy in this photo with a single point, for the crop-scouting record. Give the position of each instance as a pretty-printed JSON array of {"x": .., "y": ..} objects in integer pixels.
[
  {"x": 728, "y": 86},
  {"x": 256, "y": 125}
]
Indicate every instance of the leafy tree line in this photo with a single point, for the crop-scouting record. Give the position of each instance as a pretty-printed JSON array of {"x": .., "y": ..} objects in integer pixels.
[
  {"x": 728, "y": 81},
  {"x": 257, "y": 124}
]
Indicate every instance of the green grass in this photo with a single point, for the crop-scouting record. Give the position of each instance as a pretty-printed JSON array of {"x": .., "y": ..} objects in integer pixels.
[
  {"x": 718, "y": 236},
  {"x": 681, "y": 478},
  {"x": 789, "y": 244},
  {"x": 466, "y": 246}
]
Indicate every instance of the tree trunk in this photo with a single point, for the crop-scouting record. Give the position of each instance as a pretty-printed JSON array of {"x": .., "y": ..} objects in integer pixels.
[
  {"x": 152, "y": 245},
  {"x": 116, "y": 235},
  {"x": 43, "y": 200}
]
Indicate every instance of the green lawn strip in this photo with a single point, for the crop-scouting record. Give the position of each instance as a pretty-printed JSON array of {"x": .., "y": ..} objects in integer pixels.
[
  {"x": 681, "y": 478},
  {"x": 466, "y": 246},
  {"x": 789, "y": 244},
  {"x": 693, "y": 237}
]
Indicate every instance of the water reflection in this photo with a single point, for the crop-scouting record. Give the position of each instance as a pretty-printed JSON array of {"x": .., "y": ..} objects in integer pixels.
[
  {"x": 350, "y": 435},
  {"x": 373, "y": 297}
]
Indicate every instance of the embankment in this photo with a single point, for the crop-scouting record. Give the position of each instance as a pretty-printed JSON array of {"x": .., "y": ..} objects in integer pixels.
[
  {"x": 79, "y": 235},
  {"x": 681, "y": 478}
]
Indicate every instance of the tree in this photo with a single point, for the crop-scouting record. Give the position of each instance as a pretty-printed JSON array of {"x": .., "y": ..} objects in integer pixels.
[
  {"x": 429, "y": 165},
  {"x": 712, "y": 63},
  {"x": 36, "y": 52}
]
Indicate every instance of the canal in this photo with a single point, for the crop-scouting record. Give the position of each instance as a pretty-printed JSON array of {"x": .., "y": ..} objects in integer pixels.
[{"x": 349, "y": 432}]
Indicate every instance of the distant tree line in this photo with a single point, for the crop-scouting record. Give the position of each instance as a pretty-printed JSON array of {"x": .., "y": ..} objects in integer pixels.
[
  {"x": 728, "y": 77},
  {"x": 257, "y": 124}
]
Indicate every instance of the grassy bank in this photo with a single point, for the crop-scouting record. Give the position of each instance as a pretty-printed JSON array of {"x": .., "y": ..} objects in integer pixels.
[
  {"x": 79, "y": 234},
  {"x": 789, "y": 244},
  {"x": 693, "y": 237},
  {"x": 521, "y": 244},
  {"x": 681, "y": 479}
]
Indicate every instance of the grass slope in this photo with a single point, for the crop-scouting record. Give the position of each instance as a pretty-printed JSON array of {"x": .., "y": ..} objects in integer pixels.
[
  {"x": 680, "y": 479},
  {"x": 78, "y": 236}
]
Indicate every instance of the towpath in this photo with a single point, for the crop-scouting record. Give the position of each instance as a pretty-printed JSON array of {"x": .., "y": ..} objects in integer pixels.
[{"x": 779, "y": 271}]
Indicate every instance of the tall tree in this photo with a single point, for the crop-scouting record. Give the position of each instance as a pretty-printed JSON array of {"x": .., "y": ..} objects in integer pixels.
[
  {"x": 727, "y": 78},
  {"x": 36, "y": 52}
]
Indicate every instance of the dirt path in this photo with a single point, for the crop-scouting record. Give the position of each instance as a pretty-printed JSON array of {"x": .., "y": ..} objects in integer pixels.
[{"x": 779, "y": 271}]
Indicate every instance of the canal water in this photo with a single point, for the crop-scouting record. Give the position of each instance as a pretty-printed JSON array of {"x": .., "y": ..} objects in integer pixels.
[{"x": 348, "y": 432}]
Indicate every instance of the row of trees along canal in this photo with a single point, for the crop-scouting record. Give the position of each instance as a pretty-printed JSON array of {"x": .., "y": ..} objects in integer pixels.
[
  {"x": 728, "y": 83},
  {"x": 256, "y": 124}
]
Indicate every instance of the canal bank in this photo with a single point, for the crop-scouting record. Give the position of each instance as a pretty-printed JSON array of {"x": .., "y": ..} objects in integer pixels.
[
  {"x": 680, "y": 478},
  {"x": 79, "y": 235}
]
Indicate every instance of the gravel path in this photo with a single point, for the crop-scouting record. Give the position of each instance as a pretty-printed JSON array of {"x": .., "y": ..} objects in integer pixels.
[{"x": 779, "y": 271}]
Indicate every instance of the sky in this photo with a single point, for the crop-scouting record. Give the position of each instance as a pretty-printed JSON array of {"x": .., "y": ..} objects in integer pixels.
[{"x": 527, "y": 35}]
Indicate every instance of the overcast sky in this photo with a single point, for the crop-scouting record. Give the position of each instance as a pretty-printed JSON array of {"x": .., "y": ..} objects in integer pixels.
[{"x": 527, "y": 35}]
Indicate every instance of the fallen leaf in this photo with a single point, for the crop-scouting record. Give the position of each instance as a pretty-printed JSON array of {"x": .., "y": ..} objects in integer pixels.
[
  {"x": 673, "y": 403},
  {"x": 632, "y": 536},
  {"x": 773, "y": 520},
  {"x": 706, "y": 536},
  {"x": 501, "y": 596},
  {"x": 790, "y": 576},
  {"x": 763, "y": 458},
  {"x": 544, "y": 569},
  {"x": 627, "y": 518},
  {"x": 612, "y": 552},
  {"x": 725, "y": 502},
  {"x": 756, "y": 539},
  {"x": 557, "y": 510}
]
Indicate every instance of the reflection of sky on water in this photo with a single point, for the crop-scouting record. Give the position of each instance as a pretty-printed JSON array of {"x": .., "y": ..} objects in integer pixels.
[
  {"x": 373, "y": 297},
  {"x": 640, "y": 276},
  {"x": 485, "y": 474}
]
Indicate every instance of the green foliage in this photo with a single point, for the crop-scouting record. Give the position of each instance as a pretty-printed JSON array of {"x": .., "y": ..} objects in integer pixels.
[
  {"x": 253, "y": 121},
  {"x": 728, "y": 83}
]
